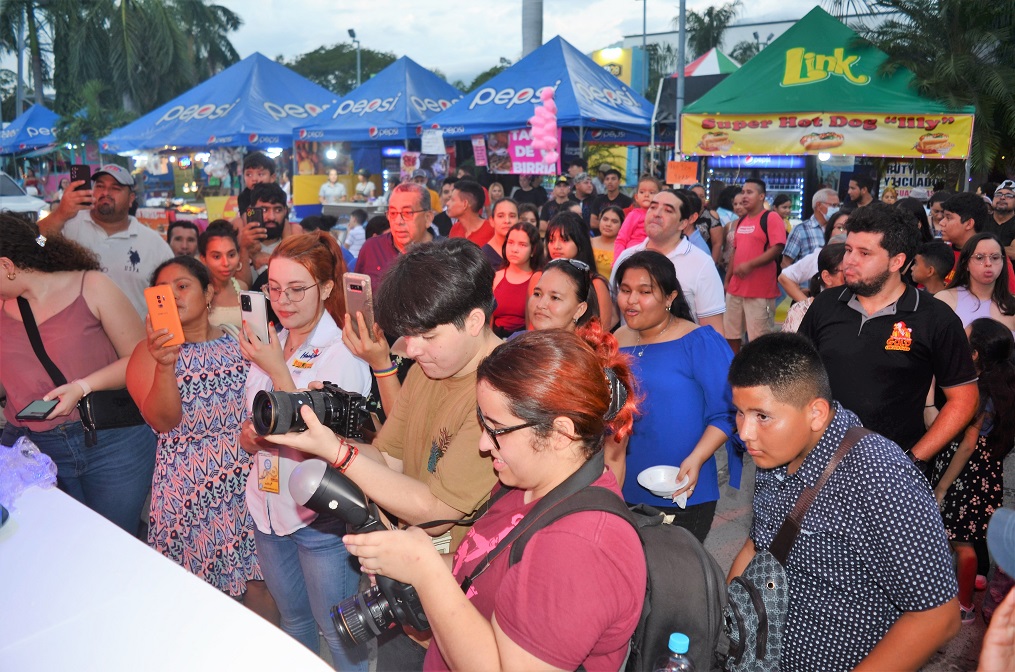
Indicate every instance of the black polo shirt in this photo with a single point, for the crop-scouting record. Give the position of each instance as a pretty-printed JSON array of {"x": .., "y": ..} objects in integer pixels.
[
  {"x": 622, "y": 201},
  {"x": 881, "y": 366}
]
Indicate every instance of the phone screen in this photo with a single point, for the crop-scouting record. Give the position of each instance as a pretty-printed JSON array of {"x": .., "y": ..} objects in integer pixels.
[{"x": 37, "y": 410}]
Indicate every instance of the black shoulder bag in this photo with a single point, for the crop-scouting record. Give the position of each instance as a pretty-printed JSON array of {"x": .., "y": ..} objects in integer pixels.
[{"x": 102, "y": 409}]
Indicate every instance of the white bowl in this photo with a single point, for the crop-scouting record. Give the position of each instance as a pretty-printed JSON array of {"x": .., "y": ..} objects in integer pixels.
[{"x": 661, "y": 481}]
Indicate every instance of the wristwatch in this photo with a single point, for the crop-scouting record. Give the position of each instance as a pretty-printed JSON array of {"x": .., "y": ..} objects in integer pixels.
[{"x": 917, "y": 462}]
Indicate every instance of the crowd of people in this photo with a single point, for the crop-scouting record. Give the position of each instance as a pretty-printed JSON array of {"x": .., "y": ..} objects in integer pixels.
[{"x": 521, "y": 340}]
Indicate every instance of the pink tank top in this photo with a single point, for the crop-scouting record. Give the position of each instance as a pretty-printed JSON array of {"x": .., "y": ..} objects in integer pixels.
[{"x": 74, "y": 340}]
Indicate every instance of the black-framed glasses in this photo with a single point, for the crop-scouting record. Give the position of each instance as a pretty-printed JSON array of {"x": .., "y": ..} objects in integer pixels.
[
  {"x": 292, "y": 294},
  {"x": 494, "y": 433},
  {"x": 404, "y": 215}
]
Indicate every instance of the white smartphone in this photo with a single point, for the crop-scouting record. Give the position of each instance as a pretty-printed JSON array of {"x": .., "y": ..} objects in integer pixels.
[
  {"x": 254, "y": 308},
  {"x": 359, "y": 297}
]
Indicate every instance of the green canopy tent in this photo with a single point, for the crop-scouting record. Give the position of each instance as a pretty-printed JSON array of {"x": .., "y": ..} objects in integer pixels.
[{"x": 816, "y": 89}]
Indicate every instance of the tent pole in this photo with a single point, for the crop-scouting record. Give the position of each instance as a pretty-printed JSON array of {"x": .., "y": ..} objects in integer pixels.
[
  {"x": 681, "y": 46},
  {"x": 969, "y": 171}
]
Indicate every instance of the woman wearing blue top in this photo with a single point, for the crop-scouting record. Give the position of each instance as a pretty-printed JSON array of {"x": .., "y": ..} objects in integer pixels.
[{"x": 681, "y": 369}]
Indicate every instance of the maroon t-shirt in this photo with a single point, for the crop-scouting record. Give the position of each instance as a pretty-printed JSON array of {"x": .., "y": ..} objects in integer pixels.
[{"x": 576, "y": 595}]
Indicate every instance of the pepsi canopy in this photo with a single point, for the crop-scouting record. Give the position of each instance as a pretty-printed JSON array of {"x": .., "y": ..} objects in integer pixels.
[
  {"x": 587, "y": 96},
  {"x": 254, "y": 103},
  {"x": 35, "y": 128},
  {"x": 391, "y": 105}
]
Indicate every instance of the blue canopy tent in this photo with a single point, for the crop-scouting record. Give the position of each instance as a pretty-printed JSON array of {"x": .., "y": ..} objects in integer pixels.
[
  {"x": 391, "y": 105},
  {"x": 254, "y": 103},
  {"x": 600, "y": 107},
  {"x": 34, "y": 129}
]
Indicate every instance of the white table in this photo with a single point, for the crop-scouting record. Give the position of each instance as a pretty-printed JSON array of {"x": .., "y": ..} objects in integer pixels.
[{"x": 78, "y": 593}]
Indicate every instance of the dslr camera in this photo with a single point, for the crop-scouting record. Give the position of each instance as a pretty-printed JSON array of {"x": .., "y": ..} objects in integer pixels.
[
  {"x": 369, "y": 614},
  {"x": 344, "y": 413}
]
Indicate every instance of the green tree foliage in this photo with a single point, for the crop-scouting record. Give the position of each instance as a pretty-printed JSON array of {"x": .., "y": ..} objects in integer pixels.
[
  {"x": 705, "y": 30},
  {"x": 744, "y": 51},
  {"x": 963, "y": 53},
  {"x": 29, "y": 14},
  {"x": 487, "y": 75},
  {"x": 93, "y": 119},
  {"x": 334, "y": 67},
  {"x": 662, "y": 62}
]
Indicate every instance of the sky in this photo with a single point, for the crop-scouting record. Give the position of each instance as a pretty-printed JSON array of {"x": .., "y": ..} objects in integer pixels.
[{"x": 461, "y": 38}]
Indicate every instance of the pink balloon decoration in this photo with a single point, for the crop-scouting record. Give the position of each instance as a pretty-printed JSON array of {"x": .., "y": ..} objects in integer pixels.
[{"x": 550, "y": 157}]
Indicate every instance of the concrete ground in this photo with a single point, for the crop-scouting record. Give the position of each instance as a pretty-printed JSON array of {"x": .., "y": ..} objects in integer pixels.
[{"x": 733, "y": 518}]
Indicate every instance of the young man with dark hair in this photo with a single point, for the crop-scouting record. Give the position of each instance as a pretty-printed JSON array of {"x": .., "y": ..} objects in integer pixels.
[
  {"x": 874, "y": 526},
  {"x": 963, "y": 216},
  {"x": 584, "y": 194},
  {"x": 932, "y": 264},
  {"x": 752, "y": 276},
  {"x": 182, "y": 238},
  {"x": 560, "y": 200},
  {"x": 466, "y": 205},
  {"x": 424, "y": 465},
  {"x": 883, "y": 342},
  {"x": 441, "y": 220},
  {"x": 861, "y": 188},
  {"x": 612, "y": 196}
]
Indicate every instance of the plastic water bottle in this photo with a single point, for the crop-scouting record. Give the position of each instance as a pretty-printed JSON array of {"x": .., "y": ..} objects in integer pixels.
[{"x": 677, "y": 660}]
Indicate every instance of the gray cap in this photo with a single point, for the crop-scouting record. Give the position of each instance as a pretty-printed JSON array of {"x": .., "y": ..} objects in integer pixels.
[
  {"x": 121, "y": 175},
  {"x": 419, "y": 172},
  {"x": 582, "y": 177}
]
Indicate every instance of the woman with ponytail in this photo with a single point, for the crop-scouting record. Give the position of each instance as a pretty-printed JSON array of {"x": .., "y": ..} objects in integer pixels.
[
  {"x": 547, "y": 402},
  {"x": 304, "y": 563}
]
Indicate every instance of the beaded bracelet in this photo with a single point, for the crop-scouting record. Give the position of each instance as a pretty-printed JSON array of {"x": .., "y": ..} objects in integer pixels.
[
  {"x": 384, "y": 373},
  {"x": 351, "y": 452}
]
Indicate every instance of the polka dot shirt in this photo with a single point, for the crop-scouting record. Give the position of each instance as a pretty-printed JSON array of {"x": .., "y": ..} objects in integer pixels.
[{"x": 871, "y": 547}]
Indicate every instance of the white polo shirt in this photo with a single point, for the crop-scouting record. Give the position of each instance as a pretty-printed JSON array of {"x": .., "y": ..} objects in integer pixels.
[
  {"x": 696, "y": 274},
  {"x": 128, "y": 257}
]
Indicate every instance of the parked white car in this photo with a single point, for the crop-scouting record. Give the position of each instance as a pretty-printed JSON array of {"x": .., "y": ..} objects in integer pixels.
[{"x": 14, "y": 199}]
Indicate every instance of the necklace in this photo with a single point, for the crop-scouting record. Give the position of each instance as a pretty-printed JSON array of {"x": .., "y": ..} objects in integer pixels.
[{"x": 669, "y": 318}]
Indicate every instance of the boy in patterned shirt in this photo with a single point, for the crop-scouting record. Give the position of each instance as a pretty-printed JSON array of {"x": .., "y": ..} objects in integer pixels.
[{"x": 871, "y": 584}]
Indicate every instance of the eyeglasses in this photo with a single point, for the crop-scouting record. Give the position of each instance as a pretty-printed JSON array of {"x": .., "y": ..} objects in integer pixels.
[
  {"x": 404, "y": 215},
  {"x": 577, "y": 263},
  {"x": 1008, "y": 196},
  {"x": 494, "y": 433},
  {"x": 1007, "y": 184},
  {"x": 982, "y": 258},
  {"x": 292, "y": 294}
]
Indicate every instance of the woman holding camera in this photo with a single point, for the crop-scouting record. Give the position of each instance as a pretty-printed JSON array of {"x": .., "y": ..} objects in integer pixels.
[
  {"x": 304, "y": 563},
  {"x": 88, "y": 328},
  {"x": 547, "y": 400}
]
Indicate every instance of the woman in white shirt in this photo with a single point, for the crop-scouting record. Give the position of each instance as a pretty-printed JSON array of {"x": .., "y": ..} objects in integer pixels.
[{"x": 305, "y": 565}]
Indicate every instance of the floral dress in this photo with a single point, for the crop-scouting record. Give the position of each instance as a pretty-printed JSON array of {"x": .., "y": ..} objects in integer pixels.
[
  {"x": 199, "y": 515},
  {"x": 976, "y": 492}
]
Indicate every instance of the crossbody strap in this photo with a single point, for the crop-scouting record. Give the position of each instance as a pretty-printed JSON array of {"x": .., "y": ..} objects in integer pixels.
[
  {"x": 787, "y": 534},
  {"x": 36, "y": 340}
]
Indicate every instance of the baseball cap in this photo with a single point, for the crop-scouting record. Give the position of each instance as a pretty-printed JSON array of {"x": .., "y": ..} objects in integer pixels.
[
  {"x": 563, "y": 179},
  {"x": 419, "y": 172},
  {"x": 603, "y": 167},
  {"x": 364, "y": 172},
  {"x": 919, "y": 193},
  {"x": 121, "y": 175},
  {"x": 1001, "y": 539},
  {"x": 582, "y": 177},
  {"x": 1007, "y": 184}
]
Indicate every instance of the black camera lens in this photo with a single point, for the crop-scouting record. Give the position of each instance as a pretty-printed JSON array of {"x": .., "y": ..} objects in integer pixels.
[
  {"x": 343, "y": 412},
  {"x": 245, "y": 303},
  {"x": 272, "y": 413},
  {"x": 362, "y": 617}
]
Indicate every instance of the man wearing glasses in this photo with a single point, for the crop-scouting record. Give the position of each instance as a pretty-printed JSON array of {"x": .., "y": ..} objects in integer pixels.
[
  {"x": 1004, "y": 216},
  {"x": 409, "y": 215}
]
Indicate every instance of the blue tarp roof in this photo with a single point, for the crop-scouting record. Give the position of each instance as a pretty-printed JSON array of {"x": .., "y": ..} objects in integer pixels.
[
  {"x": 391, "y": 105},
  {"x": 587, "y": 96},
  {"x": 35, "y": 128},
  {"x": 254, "y": 103}
]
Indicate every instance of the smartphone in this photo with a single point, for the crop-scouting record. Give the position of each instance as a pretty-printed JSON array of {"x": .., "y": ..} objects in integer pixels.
[
  {"x": 81, "y": 172},
  {"x": 359, "y": 297},
  {"x": 37, "y": 410},
  {"x": 162, "y": 310},
  {"x": 255, "y": 215},
  {"x": 254, "y": 308}
]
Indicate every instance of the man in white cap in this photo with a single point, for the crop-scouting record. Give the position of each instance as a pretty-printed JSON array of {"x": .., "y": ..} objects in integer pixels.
[{"x": 99, "y": 219}]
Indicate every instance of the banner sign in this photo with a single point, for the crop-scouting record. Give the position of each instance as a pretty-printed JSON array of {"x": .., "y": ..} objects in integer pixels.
[
  {"x": 512, "y": 153},
  {"x": 681, "y": 172},
  {"x": 479, "y": 149},
  {"x": 847, "y": 133}
]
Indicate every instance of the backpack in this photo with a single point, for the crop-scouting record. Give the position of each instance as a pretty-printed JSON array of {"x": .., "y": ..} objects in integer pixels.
[{"x": 764, "y": 229}]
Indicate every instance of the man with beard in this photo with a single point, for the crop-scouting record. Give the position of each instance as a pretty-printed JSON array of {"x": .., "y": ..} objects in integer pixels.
[
  {"x": 883, "y": 342},
  {"x": 1004, "y": 216},
  {"x": 99, "y": 219}
]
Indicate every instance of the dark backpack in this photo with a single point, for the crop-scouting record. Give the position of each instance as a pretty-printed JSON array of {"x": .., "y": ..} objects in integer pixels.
[{"x": 764, "y": 229}]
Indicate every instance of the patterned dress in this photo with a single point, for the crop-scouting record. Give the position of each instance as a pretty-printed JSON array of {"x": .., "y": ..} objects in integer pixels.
[{"x": 199, "y": 515}]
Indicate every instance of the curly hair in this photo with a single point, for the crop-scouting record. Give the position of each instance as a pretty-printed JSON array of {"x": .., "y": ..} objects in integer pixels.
[{"x": 20, "y": 242}]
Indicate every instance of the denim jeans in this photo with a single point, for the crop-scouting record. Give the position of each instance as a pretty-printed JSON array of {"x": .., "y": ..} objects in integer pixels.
[
  {"x": 308, "y": 572},
  {"x": 112, "y": 478}
]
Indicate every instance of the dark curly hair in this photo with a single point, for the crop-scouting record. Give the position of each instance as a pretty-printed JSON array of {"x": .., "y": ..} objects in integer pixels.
[{"x": 19, "y": 242}]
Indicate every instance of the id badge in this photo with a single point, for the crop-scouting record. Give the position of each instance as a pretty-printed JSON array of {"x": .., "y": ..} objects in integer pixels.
[
  {"x": 267, "y": 471},
  {"x": 442, "y": 543}
]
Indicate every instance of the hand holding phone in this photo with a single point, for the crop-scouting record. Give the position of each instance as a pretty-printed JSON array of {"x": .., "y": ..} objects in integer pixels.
[
  {"x": 80, "y": 172},
  {"x": 359, "y": 297},
  {"x": 254, "y": 309},
  {"x": 37, "y": 410},
  {"x": 163, "y": 313}
]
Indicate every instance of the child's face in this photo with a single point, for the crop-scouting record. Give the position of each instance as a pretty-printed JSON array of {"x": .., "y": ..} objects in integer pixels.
[
  {"x": 922, "y": 271},
  {"x": 774, "y": 432}
]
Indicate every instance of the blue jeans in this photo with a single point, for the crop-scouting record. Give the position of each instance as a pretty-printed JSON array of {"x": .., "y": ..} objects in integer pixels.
[
  {"x": 112, "y": 478},
  {"x": 308, "y": 572}
]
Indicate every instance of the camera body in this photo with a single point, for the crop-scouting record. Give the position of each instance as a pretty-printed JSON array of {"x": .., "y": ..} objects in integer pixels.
[
  {"x": 345, "y": 413},
  {"x": 373, "y": 612}
]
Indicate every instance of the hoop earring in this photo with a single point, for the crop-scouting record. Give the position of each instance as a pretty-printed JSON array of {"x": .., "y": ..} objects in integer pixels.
[{"x": 11, "y": 276}]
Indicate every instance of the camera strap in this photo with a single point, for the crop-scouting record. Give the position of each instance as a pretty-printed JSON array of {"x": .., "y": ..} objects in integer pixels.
[
  {"x": 469, "y": 520},
  {"x": 586, "y": 475}
]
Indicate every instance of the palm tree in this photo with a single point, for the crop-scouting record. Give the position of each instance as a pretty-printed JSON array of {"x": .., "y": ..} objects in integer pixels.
[
  {"x": 705, "y": 30},
  {"x": 207, "y": 28},
  {"x": 32, "y": 13},
  {"x": 744, "y": 51},
  {"x": 963, "y": 53}
]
